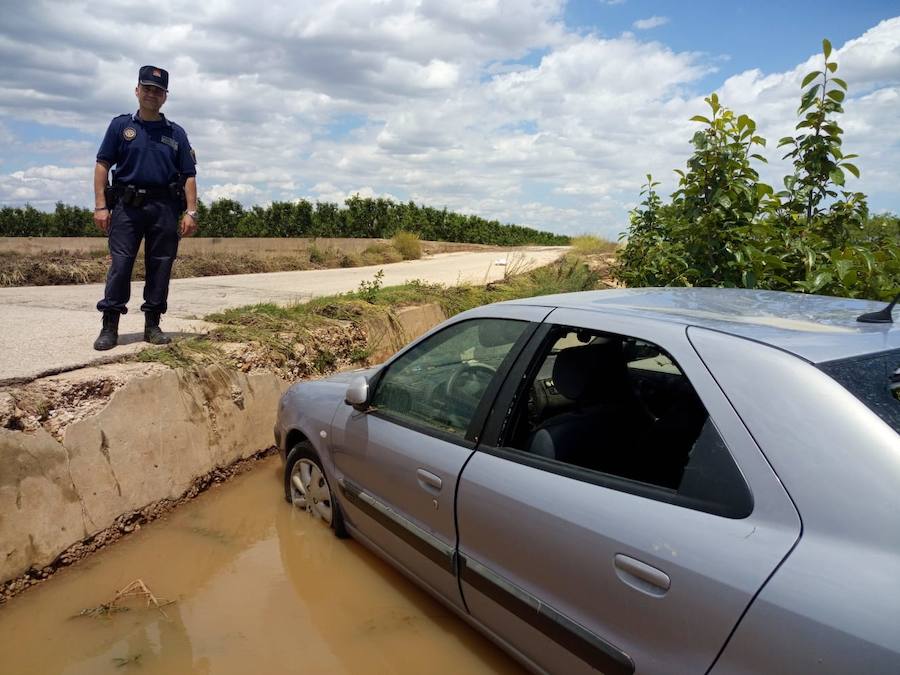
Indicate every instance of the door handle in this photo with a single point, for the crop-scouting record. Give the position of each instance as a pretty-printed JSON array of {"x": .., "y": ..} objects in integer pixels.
[
  {"x": 641, "y": 576},
  {"x": 429, "y": 481}
]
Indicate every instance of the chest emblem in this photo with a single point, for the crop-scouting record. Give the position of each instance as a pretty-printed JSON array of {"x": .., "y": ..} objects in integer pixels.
[{"x": 129, "y": 133}]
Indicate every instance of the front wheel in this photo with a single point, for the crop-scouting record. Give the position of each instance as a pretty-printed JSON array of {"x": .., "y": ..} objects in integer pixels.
[{"x": 307, "y": 488}]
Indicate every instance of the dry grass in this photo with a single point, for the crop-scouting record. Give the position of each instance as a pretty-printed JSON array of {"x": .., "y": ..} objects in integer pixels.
[
  {"x": 61, "y": 268},
  {"x": 588, "y": 244}
]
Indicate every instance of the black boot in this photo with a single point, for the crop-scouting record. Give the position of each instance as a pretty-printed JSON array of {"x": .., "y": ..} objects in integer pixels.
[
  {"x": 109, "y": 334},
  {"x": 152, "y": 333}
]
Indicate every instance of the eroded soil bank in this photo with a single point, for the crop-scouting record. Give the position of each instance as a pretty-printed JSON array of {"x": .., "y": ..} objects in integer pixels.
[{"x": 258, "y": 587}]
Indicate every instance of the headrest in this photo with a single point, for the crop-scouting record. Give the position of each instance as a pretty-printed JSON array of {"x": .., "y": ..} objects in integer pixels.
[
  {"x": 495, "y": 332},
  {"x": 583, "y": 373}
]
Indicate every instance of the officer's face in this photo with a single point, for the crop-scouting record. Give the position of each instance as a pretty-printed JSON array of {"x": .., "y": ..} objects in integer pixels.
[{"x": 150, "y": 97}]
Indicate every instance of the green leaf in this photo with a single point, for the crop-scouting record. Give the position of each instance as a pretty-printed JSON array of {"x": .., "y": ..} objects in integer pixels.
[
  {"x": 836, "y": 176},
  {"x": 831, "y": 66},
  {"x": 748, "y": 279},
  {"x": 869, "y": 258},
  {"x": 759, "y": 140},
  {"x": 763, "y": 189},
  {"x": 843, "y": 267},
  {"x": 759, "y": 157},
  {"x": 851, "y": 168},
  {"x": 819, "y": 281},
  {"x": 700, "y": 118},
  {"x": 742, "y": 121},
  {"x": 785, "y": 140},
  {"x": 826, "y": 47},
  {"x": 810, "y": 77},
  {"x": 839, "y": 82},
  {"x": 836, "y": 95}
]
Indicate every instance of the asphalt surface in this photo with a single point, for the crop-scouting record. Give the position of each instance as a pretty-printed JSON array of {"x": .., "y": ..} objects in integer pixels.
[{"x": 51, "y": 329}]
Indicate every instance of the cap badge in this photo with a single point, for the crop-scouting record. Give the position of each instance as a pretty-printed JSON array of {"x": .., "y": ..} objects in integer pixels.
[
  {"x": 156, "y": 73},
  {"x": 129, "y": 133}
]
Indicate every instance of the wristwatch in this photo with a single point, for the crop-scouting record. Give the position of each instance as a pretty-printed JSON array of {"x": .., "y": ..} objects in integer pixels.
[{"x": 192, "y": 214}]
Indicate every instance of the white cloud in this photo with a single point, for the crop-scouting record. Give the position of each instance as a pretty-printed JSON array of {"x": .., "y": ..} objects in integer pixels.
[
  {"x": 489, "y": 107},
  {"x": 236, "y": 191},
  {"x": 652, "y": 22}
]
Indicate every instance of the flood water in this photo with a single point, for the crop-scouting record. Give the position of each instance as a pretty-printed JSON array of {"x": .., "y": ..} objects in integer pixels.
[{"x": 258, "y": 588}]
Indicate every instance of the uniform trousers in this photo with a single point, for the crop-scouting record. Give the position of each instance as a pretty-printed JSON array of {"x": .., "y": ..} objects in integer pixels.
[{"x": 156, "y": 222}]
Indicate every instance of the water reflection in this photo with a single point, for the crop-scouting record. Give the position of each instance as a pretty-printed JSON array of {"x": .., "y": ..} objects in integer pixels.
[{"x": 258, "y": 588}]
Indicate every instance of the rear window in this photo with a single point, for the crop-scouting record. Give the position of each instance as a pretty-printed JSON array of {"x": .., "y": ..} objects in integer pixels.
[{"x": 874, "y": 379}]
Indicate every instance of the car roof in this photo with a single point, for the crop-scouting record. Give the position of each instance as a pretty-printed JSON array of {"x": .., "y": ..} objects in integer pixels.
[{"x": 817, "y": 328}]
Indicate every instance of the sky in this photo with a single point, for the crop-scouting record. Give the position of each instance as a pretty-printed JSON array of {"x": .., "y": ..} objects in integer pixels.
[{"x": 543, "y": 113}]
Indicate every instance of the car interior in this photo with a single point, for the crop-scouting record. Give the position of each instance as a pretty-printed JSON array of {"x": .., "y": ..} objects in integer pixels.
[{"x": 611, "y": 404}]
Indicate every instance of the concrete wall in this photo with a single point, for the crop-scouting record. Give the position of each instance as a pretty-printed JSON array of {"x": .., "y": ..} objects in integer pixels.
[
  {"x": 210, "y": 246},
  {"x": 154, "y": 437},
  {"x": 387, "y": 335}
]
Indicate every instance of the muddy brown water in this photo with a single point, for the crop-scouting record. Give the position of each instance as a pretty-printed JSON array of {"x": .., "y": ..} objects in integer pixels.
[{"x": 258, "y": 588}]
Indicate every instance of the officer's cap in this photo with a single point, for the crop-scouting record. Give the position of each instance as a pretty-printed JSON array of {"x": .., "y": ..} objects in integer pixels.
[{"x": 155, "y": 77}]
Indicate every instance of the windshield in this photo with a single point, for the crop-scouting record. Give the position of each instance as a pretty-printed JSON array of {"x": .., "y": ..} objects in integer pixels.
[{"x": 874, "y": 379}]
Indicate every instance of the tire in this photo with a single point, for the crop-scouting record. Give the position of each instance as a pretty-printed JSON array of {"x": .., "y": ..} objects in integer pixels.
[{"x": 306, "y": 487}]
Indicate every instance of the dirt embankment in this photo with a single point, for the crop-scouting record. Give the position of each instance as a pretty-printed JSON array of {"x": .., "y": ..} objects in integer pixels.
[{"x": 30, "y": 262}]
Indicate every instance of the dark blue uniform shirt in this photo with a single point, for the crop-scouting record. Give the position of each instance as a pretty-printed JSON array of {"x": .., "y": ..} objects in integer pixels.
[{"x": 146, "y": 154}]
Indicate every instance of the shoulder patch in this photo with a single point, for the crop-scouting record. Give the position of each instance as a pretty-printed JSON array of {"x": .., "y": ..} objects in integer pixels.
[{"x": 193, "y": 156}]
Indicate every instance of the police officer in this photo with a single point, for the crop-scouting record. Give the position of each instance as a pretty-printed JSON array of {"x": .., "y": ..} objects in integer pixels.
[{"x": 153, "y": 187}]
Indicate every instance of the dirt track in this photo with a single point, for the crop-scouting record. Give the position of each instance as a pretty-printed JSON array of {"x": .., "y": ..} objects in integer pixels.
[{"x": 51, "y": 329}]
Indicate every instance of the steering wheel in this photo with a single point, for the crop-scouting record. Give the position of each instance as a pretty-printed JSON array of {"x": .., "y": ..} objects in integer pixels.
[{"x": 469, "y": 372}]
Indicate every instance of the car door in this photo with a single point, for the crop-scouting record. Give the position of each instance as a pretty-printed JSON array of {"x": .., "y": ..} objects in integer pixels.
[
  {"x": 584, "y": 571},
  {"x": 397, "y": 465}
]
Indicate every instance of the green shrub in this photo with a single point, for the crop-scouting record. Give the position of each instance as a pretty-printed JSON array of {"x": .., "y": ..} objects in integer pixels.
[
  {"x": 408, "y": 244},
  {"x": 723, "y": 227}
]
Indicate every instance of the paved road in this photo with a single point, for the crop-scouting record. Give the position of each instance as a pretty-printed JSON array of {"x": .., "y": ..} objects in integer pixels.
[{"x": 48, "y": 329}]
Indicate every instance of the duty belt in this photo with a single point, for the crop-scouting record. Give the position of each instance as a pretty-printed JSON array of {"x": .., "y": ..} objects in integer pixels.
[
  {"x": 136, "y": 195},
  {"x": 152, "y": 191}
]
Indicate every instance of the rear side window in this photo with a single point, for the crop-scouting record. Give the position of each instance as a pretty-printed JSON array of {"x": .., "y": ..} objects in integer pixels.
[
  {"x": 620, "y": 412},
  {"x": 874, "y": 380}
]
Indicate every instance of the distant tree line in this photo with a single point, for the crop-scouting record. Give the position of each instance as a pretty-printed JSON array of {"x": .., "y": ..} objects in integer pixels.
[{"x": 359, "y": 217}]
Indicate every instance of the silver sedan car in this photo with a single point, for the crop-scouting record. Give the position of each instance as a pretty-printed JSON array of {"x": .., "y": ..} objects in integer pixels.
[{"x": 644, "y": 480}]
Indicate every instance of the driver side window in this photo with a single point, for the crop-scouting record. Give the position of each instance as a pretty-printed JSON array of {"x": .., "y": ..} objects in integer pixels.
[{"x": 440, "y": 382}]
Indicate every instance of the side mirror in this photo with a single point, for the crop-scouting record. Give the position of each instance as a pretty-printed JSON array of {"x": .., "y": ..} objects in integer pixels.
[{"x": 358, "y": 394}]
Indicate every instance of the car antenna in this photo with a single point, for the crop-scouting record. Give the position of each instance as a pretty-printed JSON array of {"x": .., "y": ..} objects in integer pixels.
[{"x": 882, "y": 315}]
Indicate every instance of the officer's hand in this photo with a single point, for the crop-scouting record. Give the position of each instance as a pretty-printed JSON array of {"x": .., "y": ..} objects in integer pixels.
[
  {"x": 188, "y": 225},
  {"x": 101, "y": 220}
]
